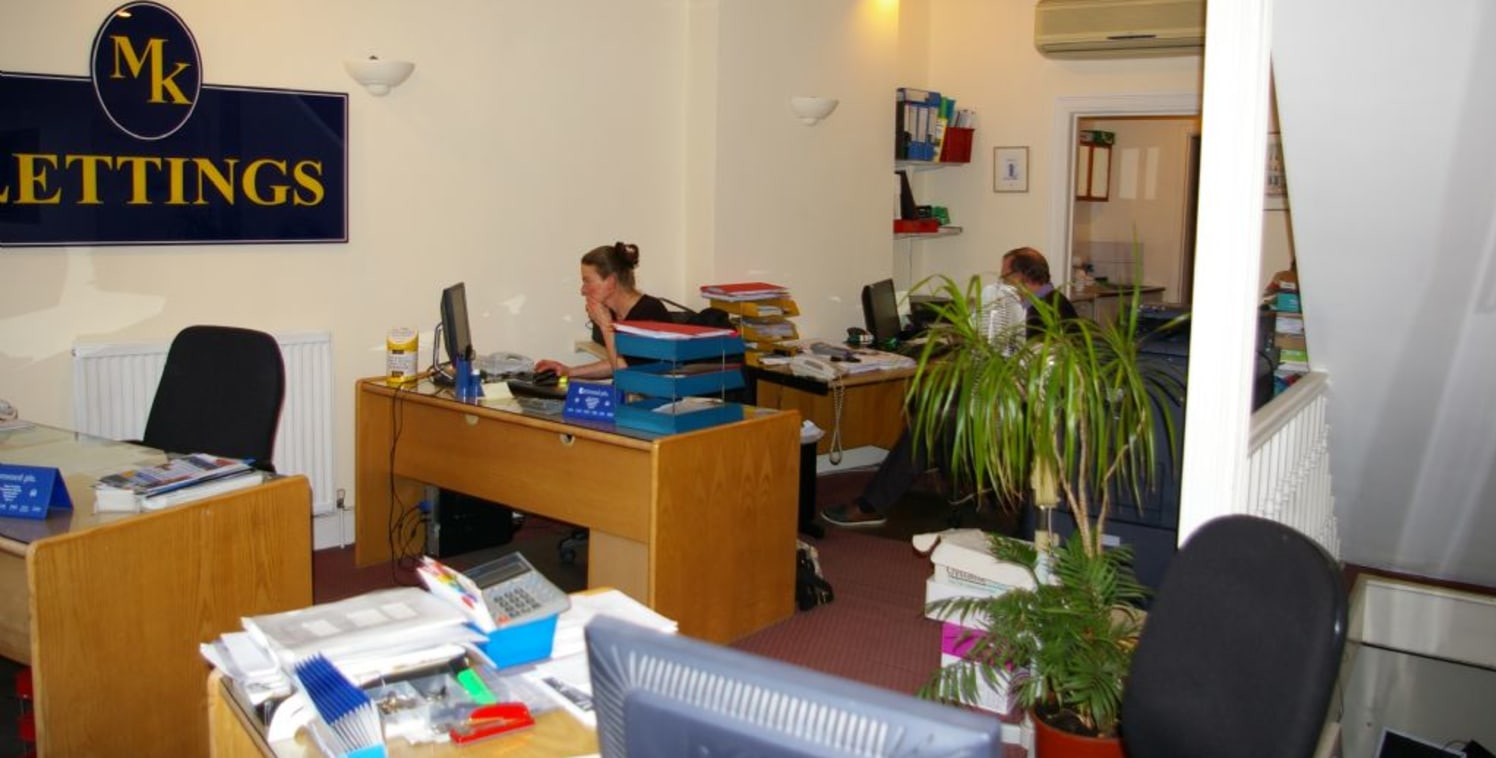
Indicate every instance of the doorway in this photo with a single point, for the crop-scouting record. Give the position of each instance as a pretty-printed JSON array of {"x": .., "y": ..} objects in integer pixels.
[
  {"x": 1139, "y": 229},
  {"x": 1065, "y": 129}
]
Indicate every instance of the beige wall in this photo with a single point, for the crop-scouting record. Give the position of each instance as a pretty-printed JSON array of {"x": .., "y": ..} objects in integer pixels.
[
  {"x": 527, "y": 134},
  {"x": 531, "y": 132}
]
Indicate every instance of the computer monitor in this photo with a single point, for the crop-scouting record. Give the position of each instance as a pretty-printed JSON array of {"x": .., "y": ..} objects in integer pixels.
[
  {"x": 663, "y": 694},
  {"x": 880, "y": 309},
  {"x": 455, "y": 335}
]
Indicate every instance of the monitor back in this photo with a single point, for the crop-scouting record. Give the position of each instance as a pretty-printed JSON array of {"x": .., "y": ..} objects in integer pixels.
[{"x": 663, "y": 694}]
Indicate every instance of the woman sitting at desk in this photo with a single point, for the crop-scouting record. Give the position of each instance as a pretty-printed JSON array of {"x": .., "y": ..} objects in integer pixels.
[{"x": 608, "y": 286}]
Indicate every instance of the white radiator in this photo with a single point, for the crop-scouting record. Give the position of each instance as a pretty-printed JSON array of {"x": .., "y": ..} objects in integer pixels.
[{"x": 114, "y": 384}]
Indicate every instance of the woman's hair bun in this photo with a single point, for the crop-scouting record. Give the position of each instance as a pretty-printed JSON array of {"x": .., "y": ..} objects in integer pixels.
[{"x": 628, "y": 254}]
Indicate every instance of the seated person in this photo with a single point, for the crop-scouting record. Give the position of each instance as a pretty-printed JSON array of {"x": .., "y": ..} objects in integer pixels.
[
  {"x": 608, "y": 286},
  {"x": 1023, "y": 267}
]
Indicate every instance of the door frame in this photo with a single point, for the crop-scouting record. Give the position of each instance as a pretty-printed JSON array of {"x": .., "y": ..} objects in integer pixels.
[{"x": 1068, "y": 111}]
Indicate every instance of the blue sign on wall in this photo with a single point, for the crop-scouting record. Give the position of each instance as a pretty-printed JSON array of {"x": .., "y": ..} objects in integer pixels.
[{"x": 143, "y": 152}]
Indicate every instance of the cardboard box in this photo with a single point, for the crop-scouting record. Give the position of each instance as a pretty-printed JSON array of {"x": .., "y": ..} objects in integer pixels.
[
  {"x": 962, "y": 557},
  {"x": 954, "y": 643},
  {"x": 965, "y": 568}
]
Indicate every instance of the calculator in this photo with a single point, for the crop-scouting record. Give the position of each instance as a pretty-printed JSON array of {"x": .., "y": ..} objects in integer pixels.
[{"x": 515, "y": 593}]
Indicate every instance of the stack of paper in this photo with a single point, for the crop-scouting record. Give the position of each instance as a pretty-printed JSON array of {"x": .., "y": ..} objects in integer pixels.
[
  {"x": 177, "y": 481},
  {"x": 743, "y": 291},
  {"x": 565, "y": 677},
  {"x": 669, "y": 330}
]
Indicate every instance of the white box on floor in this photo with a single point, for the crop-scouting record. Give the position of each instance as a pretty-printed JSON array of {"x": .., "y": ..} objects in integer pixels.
[
  {"x": 964, "y": 566},
  {"x": 955, "y": 641}
]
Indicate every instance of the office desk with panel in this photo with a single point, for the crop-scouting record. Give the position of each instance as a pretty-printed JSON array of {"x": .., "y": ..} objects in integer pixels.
[
  {"x": 872, "y": 406},
  {"x": 108, "y": 609},
  {"x": 699, "y": 526}
]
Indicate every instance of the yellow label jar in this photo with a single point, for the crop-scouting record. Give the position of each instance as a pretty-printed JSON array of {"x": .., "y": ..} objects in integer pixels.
[{"x": 402, "y": 356}]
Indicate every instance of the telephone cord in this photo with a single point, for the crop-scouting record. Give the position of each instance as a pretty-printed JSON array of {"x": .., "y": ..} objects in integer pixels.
[{"x": 838, "y": 395}]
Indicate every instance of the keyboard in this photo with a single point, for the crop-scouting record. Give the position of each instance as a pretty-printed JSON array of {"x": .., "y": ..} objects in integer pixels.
[{"x": 523, "y": 385}]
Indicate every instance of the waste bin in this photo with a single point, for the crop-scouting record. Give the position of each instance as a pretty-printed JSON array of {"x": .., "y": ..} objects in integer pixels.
[{"x": 810, "y": 434}]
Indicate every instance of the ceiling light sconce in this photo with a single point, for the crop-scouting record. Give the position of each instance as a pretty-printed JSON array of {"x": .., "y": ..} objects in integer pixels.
[
  {"x": 377, "y": 76},
  {"x": 810, "y": 110}
]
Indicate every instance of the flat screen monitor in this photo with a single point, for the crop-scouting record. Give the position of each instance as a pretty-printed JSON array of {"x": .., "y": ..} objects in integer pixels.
[
  {"x": 880, "y": 309},
  {"x": 456, "y": 338},
  {"x": 663, "y": 694}
]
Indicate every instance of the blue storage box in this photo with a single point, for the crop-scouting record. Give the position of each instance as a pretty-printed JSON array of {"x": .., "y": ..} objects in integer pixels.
[
  {"x": 642, "y": 415},
  {"x": 667, "y": 379},
  {"x": 1287, "y": 302},
  {"x": 521, "y": 643},
  {"x": 677, "y": 350}
]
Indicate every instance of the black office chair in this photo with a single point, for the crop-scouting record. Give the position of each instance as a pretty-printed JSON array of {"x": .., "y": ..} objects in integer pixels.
[
  {"x": 1241, "y": 649},
  {"x": 220, "y": 393}
]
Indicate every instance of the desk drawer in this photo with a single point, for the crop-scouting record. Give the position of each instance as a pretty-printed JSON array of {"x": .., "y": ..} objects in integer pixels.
[{"x": 582, "y": 481}]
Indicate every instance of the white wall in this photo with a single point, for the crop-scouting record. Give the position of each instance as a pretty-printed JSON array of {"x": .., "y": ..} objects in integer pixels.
[
  {"x": 527, "y": 134},
  {"x": 1389, "y": 169}
]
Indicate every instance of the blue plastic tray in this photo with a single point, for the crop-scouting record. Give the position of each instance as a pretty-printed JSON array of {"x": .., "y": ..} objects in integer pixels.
[
  {"x": 666, "y": 379},
  {"x": 641, "y": 415},
  {"x": 677, "y": 350}
]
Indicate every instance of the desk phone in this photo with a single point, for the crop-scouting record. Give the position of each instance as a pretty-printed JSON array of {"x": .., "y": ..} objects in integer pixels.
[{"x": 515, "y": 592}]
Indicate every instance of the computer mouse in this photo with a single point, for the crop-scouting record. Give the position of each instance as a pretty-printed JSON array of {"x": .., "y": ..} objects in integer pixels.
[{"x": 547, "y": 378}]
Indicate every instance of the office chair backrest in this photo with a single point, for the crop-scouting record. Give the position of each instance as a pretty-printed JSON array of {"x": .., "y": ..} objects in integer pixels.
[
  {"x": 1241, "y": 648},
  {"x": 220, "y": 393}
]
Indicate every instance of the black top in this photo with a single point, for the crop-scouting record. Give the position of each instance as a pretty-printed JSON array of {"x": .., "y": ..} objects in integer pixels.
[
  {"x": 1056, "y": 300},
  {"x": 649, "y": 308}
]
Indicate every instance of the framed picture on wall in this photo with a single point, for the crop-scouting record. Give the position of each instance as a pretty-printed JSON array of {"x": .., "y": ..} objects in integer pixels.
[
  {"x": 1010, "y": 169},
  {"x": 1275, "y": 192}
]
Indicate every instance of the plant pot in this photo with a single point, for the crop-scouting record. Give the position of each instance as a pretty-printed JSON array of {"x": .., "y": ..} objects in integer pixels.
[{"x": 1050, "y": 742}]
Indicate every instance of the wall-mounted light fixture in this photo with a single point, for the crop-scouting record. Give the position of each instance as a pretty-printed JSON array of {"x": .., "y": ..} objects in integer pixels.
[
  {"x": 811, "y": 110},
  {"x": 377, "y": 76}
]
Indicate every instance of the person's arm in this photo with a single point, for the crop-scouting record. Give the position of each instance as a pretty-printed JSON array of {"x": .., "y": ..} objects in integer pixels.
[{"x": 602, "y": 318}]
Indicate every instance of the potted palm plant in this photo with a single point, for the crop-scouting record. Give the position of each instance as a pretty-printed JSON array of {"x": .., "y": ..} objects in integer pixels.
[{"x": 1064, "y": 409}]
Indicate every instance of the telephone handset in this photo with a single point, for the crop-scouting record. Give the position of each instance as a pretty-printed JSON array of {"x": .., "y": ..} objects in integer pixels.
[
  {"x": 505, "y": 364},
  {"x": 814, "y": 367}
]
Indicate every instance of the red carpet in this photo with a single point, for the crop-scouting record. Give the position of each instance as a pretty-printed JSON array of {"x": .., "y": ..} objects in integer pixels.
[{"x": 874, "y": 631}]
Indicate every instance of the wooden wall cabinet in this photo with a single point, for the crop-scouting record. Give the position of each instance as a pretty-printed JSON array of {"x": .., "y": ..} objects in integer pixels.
[
  {"x": 1092, "y": 171},
  {"x": 1093, "y": 164}
]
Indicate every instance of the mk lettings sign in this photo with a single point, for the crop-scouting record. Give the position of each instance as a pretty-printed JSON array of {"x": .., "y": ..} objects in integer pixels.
[{"x": 143, "y": 152}]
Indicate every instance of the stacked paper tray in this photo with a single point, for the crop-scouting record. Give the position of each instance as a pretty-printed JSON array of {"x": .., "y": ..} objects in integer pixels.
[
  {"x": 670, "y": 380},
  {"x": 702, "y": 413},
  {"x": 677, "y": 350}
]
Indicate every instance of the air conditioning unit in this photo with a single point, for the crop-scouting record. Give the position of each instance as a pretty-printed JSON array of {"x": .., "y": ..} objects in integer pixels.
[{"x": 1102, "y": 28}]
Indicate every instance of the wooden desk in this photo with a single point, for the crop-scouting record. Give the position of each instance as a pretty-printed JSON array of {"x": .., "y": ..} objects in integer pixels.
[
  {"x": 109, "y": 609},
  {"x": 698, "y": 526},
  {"x": 872, "y": 408}
]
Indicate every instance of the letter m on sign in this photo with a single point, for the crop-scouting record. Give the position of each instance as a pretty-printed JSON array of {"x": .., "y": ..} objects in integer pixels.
[{"x": 163, "y": 85}]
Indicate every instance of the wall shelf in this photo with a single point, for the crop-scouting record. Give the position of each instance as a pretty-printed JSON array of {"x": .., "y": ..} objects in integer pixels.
[
  {"x": 926, "y": 165},
  {"x": 945, "y": 231}
]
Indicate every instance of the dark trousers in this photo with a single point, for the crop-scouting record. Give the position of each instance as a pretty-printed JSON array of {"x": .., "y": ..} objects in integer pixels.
[{"x": 896, "y": 474}]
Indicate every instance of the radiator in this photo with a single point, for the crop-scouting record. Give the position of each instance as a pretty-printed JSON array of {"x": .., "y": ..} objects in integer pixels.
[{"x": 114, "y": 384}]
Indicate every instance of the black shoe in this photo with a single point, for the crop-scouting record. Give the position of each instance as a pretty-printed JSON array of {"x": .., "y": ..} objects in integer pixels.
[{"x": 851, "y": 516}]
